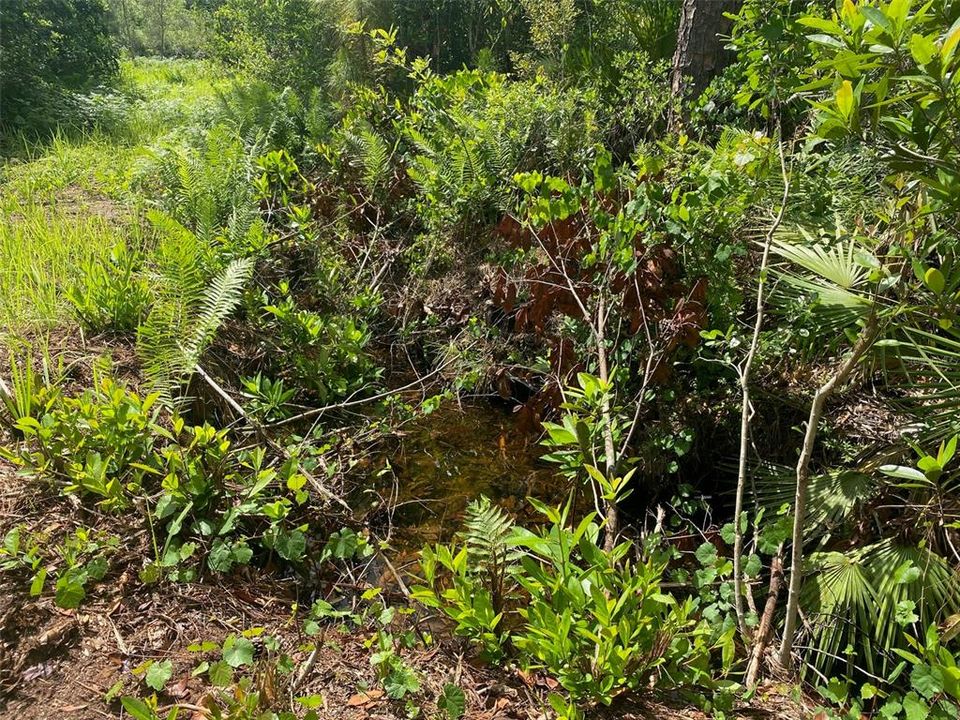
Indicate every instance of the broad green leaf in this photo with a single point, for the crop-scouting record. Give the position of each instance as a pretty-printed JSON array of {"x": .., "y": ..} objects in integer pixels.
[
  {"x": 158, "y": 674},
  {"x": 922, "y": 48},
  {"x": 845, "y": 99},
  {"x": 220, "y": 674},
  {"x": 237, "y": 651},
  {"x": 137, "y": 708},
  {"x": 934, "y": 280},
  {"x": 926, "y": 680},
  {"x": 452, "y": 701}
]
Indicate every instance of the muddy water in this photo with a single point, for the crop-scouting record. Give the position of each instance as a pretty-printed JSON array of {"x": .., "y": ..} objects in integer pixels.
[{"x": 446, "y": 459}]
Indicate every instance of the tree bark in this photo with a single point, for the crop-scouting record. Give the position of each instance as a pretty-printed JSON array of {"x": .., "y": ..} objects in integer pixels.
[
  {"x": 765, "y": 630},
  {"x": 700, "y": 54},
  {"x": 612, "y": 526}
]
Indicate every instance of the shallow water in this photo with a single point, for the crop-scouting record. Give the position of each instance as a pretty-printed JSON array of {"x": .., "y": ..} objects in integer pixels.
[{"x": 454, "y": 455}]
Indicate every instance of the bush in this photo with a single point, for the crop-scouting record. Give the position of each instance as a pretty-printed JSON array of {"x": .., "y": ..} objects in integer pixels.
[
  {"x": 209, "y": 499},
  {"x": 112, "y": 295},
  {"x": 50, "y": 49},
  {"x": 594, "y": 620},
  {"x": 287, "y": 43}
]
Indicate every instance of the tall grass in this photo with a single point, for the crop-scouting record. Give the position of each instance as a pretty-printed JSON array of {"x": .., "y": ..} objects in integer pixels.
[
  {"x": 59, "y": 196},
  {"x": 91, "y": 163},
  {"x": 42, "y": 252},
  {"x": 152, "y": 99}
]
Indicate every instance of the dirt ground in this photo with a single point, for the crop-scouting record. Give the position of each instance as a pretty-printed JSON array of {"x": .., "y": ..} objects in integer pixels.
[{"x": 65, "y": 664}]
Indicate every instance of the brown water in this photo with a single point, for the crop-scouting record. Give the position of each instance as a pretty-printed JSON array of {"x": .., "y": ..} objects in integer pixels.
[{"x": 454, "y": 455}]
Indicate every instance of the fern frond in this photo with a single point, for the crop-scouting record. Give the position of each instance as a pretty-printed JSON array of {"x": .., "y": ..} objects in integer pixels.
[
  {"x": 486, "y": 531},
  {"x": 187, "y": 312}
]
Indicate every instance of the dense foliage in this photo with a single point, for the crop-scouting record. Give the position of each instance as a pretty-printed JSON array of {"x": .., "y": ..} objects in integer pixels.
[
  {"x": 49, "y": 50},
  {"x": 236, "y": 290}
]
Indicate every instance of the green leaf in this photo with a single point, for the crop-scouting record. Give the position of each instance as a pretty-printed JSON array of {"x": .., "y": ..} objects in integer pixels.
[
  {"x": 401, "y": 680},
  {"x": 707, "y": 554},
  {"x": 904, "y": 613},
  {"x": 927, "y": 680},
  {"x": 934, "y": 280},
  {"x": 70, "y": 592},
  {"x": 923, "y": 49},
  {"x": 137, "y": 708},
  {"x": 915, "y": 708},
  {"x": 237, "y": 651},
  {"x": 36, "y": 585},
  {"x": 845, "y": 99},
  {"x": 452, "y": 701},
  {"x": 220, "y": 674},
  {"x": 950, "y": 42},
  {"x": 902, "y": 472},
  {"x": 158, "y": 673}
]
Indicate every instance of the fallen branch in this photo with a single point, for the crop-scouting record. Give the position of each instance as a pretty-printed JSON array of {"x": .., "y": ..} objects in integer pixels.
[{"x": 274, "y": 445}]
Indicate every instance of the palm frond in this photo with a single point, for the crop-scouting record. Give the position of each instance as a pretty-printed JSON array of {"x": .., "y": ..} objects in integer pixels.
[{"x": 833, "y": 495}]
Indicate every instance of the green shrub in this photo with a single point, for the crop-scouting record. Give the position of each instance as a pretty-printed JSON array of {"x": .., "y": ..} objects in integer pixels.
[
  {"x": 596, "y": 621},
  {"x": 111, "y": 295},
  {"x": 98, "y": 443},
  {"x": 50, "y": 49},
  {"x": 325, "y": 352},
  {"x": 202, "y": 497}
]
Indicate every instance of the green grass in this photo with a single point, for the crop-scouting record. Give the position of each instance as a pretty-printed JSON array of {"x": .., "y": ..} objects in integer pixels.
[
  {"x": 93, "y": 164},
  {"x": 152, "y": 100},
  {"x": 42, "y": 252},
  {"x": 69, "y": 199}
]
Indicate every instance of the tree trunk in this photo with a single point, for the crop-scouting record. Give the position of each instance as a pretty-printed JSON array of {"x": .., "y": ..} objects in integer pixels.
[
  {"x": 700, "y": 54},
  {"x": 765, "y": 631}
]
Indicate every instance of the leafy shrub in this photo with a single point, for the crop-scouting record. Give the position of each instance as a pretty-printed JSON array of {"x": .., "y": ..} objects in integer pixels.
[
  {"x": 223, "y": 499},
  {"x": 325, "y": 353},
  {"x": 288, "y": 43},
  {"x": 80, "y": 558},
  {"x": 471, "y": 131},
  {"x": 50, "y": 49},
  {"x": 593, "y": 620},
  {"x": 209, "y": 497},
  {"x": 112, "y": 295},
  {"x": 100, "y": 442}
]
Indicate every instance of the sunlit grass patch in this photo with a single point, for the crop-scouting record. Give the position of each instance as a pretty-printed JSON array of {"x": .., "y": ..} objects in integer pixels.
[
  {"x": 43, "y": 250},
  {"x": 93, "y": 164}
]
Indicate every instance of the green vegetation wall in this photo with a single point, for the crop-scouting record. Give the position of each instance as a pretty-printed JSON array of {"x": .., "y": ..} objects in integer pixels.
[{"x": 49, "y": 48}]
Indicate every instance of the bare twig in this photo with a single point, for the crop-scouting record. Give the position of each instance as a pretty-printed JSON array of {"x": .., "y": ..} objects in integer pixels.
[
  {"x": 274, "y": 445},
  {"x": 314, "y": 412},
  {"x": 746, "y": 411},
  {"x": 863, "y": 344}
]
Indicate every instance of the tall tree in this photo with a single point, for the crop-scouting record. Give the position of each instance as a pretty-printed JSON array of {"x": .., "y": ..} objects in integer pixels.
[{"x": 700, "y": 54}]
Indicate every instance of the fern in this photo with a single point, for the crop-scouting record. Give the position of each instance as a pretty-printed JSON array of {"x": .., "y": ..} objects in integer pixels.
[
  {"x": 375, "y": 158},
  {"x": 487, "y": 530},
  {"x": 486, "y": 535},
  {"x": 189, "y": 309}
]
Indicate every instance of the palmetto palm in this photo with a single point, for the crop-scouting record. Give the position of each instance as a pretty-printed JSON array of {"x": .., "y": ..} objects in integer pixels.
[{"x": 880, "y": 555}]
